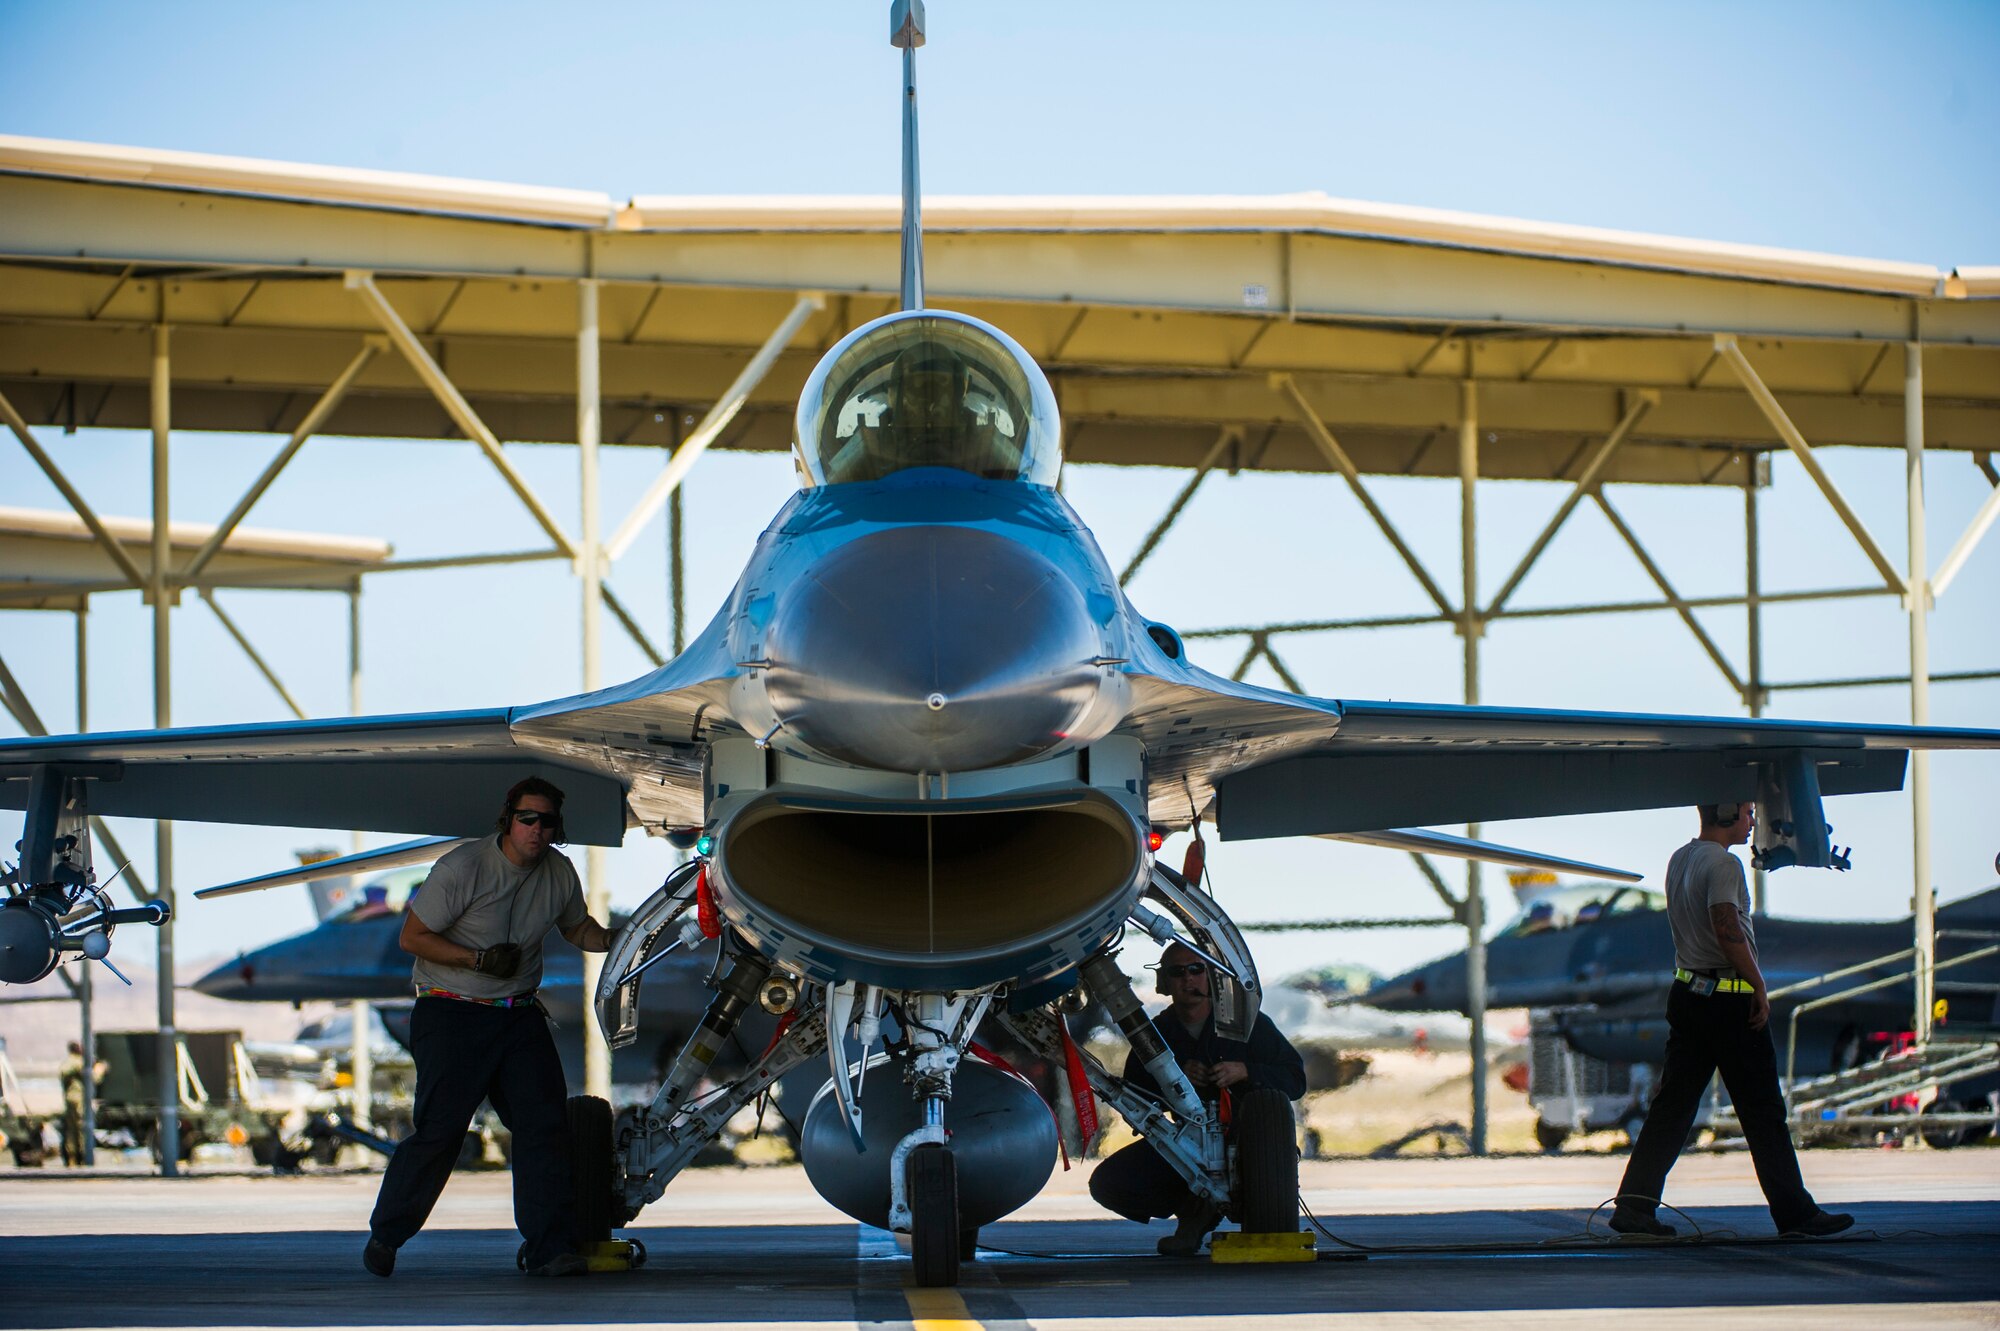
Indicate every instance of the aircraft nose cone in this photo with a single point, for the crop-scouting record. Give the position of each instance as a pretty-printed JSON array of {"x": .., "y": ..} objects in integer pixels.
[
  {"x": 941, "y": 649},
  {"x": 232, "y": 979}
]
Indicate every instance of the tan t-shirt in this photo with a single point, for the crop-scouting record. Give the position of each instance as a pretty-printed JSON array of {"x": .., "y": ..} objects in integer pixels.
[
  {"x": 1703, "y": 874},
  {"x": 478, "y": 898}
]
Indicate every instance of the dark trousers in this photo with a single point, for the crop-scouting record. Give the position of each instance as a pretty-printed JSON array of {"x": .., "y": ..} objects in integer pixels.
[
  {"x": 465, "y": 1053},
  {"x": 72, "y": 1137},
  {"x": 1707, "y": 1034},
  {"x": 1140, "y": 1185}
]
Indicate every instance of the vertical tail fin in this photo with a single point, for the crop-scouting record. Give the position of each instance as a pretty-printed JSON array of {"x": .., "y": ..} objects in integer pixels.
[{"x": 906, "y": 31}]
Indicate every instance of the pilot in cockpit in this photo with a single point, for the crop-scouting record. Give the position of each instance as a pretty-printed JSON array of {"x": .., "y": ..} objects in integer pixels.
[{"x": 930, "y": 409}]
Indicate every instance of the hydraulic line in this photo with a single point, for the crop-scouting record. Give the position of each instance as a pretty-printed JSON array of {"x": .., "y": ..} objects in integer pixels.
[{"x": 734, "y": 993}]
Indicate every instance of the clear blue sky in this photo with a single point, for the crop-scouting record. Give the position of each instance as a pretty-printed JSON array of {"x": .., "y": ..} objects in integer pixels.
[{"x": 1843, "y": 128}]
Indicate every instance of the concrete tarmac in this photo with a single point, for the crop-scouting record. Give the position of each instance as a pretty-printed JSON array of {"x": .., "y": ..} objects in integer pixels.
[{"x": 738, "y": 1248}]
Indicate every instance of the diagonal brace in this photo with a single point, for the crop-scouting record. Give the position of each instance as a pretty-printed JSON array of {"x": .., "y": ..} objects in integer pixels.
[
  {"x": 1342, "y": 463},
  {"x": 454, "y": 403},
  {"x": 712, "y": 425},
  {"x": 308, "y": 427},
  {"x": 256, "y": 659},
  {"x": 70, "y": 493},
  {"x": 1641, "y": 403},
  {"x": 1674, "y": 599},
  {"x": 1974, "y": 532},
  {"x": 631, "y": 625},
  {"x": 1230, "y": 434},
  {"x": 1725, "y": 346},
  {"x": 1431, "y": 875}
]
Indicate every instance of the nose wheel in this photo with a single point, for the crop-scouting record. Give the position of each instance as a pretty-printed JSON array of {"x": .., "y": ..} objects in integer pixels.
[{"x": 935, "y": 1236}]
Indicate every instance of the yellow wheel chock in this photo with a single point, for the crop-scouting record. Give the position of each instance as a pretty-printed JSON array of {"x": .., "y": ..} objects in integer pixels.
[{"x": 1237, "y": 1246}]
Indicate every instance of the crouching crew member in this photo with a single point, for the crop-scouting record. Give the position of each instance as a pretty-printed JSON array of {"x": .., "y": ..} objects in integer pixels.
[
  {"x": 1137, "y": 1182},
  {"x": 1718, "y": 1017},
  {"x": 476, "y": 929}
]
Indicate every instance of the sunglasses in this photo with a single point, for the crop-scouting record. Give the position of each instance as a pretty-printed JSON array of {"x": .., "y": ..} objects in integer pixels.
[
  {"x": 532, "y": 817},
  {"x": 1191, "y": 968}
]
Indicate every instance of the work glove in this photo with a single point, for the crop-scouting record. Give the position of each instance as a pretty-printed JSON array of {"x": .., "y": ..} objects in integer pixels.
[{"x": 500, "y": 961}]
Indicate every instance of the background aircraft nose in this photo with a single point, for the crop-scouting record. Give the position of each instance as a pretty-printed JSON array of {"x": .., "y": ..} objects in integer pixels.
[
  {"x": 940, "y": 649},
  {"x": 232, "y": 979}
]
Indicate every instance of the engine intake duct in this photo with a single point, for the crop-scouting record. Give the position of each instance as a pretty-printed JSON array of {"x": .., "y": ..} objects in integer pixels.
[{"x": 897, "y": 893}]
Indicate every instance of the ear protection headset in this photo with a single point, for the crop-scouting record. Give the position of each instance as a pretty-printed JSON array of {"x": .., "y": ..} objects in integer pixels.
[
  {"x": 1160, "y": 981},
  {"x": 1727, "y": 814}
]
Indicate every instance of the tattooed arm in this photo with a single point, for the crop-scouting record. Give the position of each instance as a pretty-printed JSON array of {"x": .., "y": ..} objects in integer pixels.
[{"x": 1729, "y": 937}]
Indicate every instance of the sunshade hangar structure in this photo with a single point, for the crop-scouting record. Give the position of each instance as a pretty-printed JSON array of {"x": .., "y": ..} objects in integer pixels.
[{"x": 1293, "y": 333}]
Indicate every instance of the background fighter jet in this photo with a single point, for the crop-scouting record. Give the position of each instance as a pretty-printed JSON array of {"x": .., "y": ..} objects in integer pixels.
[
  {"x": 926, "y": 739},
  {"x": 1602, "y": 951}
]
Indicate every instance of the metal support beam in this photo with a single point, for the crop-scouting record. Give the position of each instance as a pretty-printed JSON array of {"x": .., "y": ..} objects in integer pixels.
[
  {"x": 314, "y": 419},
  {"x": 1471, "y": 628},
  {"x": 70, "y": 494},
  {"x": 1726, "y": 347},
  {"x": 1975, "y": 531},
  {"x": 1639, "y": 404},
  {"x": 677, "y": 567},
  {"x": 1284, "y": 672},
  {"x": 630, "y": 624},
  {"x": 1207, "y": 464},
  {"x": 1335, "y": 454},
  {"x": 249, "y": 650},
  {"x": 712, "y": 425},
  {"x": 361, "y": 1054},
  {"x": 1918, "y": 605},
  {"x": 590, "y": 569},
  {"x": 1436, "y": 880},
  {"x": 160, "y": 400},
  {"x": 454, "y": 403},
  {"x": 1680, "y": 606},
  {"x": 1754, "y": 694}
]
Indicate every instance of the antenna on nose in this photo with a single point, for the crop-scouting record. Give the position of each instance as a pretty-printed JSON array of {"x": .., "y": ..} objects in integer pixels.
[{"x": 906, "y": 30}]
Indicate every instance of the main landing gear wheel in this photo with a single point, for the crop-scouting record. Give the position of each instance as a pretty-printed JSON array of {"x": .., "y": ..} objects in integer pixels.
[
  {"x": 590, "y": 1168},
  {"x": 932, "y": 1179},
  {"x": 1267, "y": 1164},
  {"x": 1550, "y": 1136}
]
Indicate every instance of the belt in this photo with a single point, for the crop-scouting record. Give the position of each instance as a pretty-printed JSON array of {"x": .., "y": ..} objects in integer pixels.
[
  {"x": 1689, "y": 977},
  {"x": 512, "y": 1000}
]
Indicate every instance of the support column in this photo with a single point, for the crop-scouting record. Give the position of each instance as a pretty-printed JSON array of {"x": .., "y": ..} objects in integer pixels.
[
  {"x": 1753, "y": 611},
  {"x": 590, "y": 569},
  {"x": 1470, "y": 627},
  {"x": 161, "y": 402},
  {"x": 86, "y": 1036},
  {"x": 361, "y": 1053},
  {"x": 1918, "y": 604},
  {"x": 677, "y": 547}
]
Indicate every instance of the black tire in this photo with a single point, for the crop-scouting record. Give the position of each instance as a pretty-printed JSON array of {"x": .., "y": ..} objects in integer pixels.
[
  {"x": 1267, "y": 1164},
  {"x": 590, "y": 1166},
  {"x": 932, "y": 1179},
  {"x": 1550, "y": 1136},
  {"x": 968, "y": 1245}
]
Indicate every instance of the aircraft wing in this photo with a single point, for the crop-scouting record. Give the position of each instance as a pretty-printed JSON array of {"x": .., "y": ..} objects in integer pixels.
[
  {"x": 1278, "y": 764},
  {"x": 624, "y": 755}
]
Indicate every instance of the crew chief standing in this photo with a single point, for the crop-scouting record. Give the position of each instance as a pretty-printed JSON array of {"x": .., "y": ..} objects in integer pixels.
[
  {"x": 1718, "y": 1017},
  {"x": 476, "y": 930}
]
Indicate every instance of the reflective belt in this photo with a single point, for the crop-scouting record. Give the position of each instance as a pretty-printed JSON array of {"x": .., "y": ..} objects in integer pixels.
[
  {"x": 512, "y": 1000},
  {"x": 1689, "y": 978}
]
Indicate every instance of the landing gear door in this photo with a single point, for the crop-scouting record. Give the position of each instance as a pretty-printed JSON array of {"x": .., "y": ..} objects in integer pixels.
[
  {"x": 642, "y": 937},
  {"x": 1237, "y": 1001}
]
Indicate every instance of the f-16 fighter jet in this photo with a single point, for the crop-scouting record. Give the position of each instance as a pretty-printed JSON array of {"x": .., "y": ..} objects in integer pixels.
[{"x": 924, "y": 744}]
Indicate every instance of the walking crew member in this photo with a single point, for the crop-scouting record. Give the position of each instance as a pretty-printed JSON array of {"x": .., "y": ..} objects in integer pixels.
[
  {"x": 70, "y": 1074},
  {"x": 1718, "y": 1018},
  {"x": 476, "y": 930},
  {"x": 1137, "y": 1182}
]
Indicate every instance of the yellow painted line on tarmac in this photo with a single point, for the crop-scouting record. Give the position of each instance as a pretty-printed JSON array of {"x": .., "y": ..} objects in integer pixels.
[{"x": 940, "y": 1310}]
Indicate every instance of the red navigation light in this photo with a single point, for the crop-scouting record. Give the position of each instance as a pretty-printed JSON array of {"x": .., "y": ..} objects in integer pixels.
[{"x": 1155, "y": 838}]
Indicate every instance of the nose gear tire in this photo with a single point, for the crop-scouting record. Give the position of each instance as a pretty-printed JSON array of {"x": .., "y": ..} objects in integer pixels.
[
  {"x": 934, "y": 1233},
  {"x": 1267, "y": 1164},
  {"x": 590, "y": 1167}
]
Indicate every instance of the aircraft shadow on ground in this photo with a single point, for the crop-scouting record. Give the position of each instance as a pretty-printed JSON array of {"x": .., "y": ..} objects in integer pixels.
[{"x": 1926, "y": 1252}]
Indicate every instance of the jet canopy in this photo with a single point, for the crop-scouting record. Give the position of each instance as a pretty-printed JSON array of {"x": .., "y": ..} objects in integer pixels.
[{"x": 928, "y": 388}]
